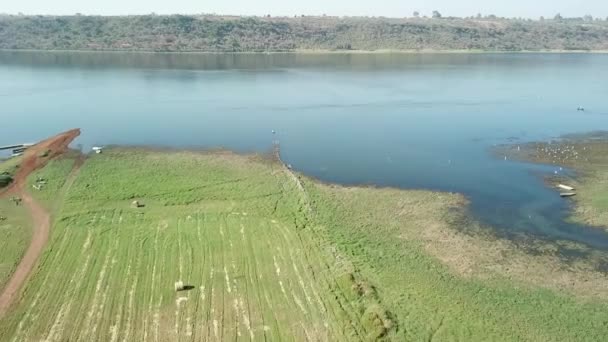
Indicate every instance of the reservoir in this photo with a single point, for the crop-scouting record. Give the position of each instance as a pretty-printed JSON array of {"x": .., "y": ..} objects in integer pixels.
[{"x": 425, "y": 121}]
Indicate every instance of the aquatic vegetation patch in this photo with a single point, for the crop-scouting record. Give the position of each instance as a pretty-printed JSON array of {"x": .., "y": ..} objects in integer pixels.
[{"x": 587, "y": 155}]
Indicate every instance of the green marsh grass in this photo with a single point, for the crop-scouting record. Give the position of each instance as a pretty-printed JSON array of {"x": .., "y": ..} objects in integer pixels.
[{"x": 264, "y": 261}]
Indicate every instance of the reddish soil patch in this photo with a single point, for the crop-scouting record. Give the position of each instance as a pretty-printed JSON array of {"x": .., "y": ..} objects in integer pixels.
[{"x": 34, "y": 158}]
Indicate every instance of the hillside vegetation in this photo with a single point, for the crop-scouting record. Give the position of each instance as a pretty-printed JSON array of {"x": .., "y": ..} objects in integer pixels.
[
  {"x": 234, "y": 34},
  {"x": 267, "y": 256}
]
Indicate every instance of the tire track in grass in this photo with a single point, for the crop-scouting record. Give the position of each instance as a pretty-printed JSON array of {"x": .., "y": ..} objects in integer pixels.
[
  {"x": 217, "y": 282},
  {"x": 226, "y": 285},
  {"x": 190, "y": 312},
  {"x": 133, "y": 288},
  {"x": 323, "y": 276},
  {"x": 87, "y": 331},
  {"x": 62, "y": 311},
  {"x": 292, "y": 289},
  {"x": 104, "y": 296},
  {"x": 232, "y": 285},
  {"x": 327, "y": 276},
  {"x": 142, "y": 277},
  {"x": 292, "y": 258},
  {"x": 75, "y": 283},
  {"x": 60, "y": 255},
  {"x": 184, "y": 307},
  {"x": 163, "y": 225},
  {"x": 212, "y": 330},
  {"x": 247, "y": 318},
  {"x": 200, "y": 304},
  {"x": 180, "y": 278},
  {"x": 240, "y": 316},
  {"x": 316, "y": 305},
  {"x": 219, "y": 290},
  {"x": 209, "y": 308},
  {"x": 99, "y": 246},
  {"x": 254, "y": 281},
  {"x": 150, "y": 310},
  {"x": 268, "y": 239},
  {"x": 79, "y": 267},
  {"x": 114, "y": 330},
  {"x": 338, "y": 293}
]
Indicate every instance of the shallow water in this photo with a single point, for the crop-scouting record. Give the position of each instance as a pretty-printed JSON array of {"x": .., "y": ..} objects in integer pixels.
[{"x": 415, "y": 121}]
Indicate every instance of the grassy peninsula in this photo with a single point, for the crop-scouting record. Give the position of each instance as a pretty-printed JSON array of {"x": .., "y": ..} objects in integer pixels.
[
  {"x": 215, "y": 33},
  {"x": 266, "y": 254},
  {"x": 587, "y": 156}
]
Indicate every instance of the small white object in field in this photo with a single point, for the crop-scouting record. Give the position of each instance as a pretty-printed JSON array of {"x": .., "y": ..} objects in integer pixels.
[{"x": 179, "y": 286}]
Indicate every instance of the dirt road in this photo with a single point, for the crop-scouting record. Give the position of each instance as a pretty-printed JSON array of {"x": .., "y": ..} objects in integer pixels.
[{"x": 34, "y": 158}]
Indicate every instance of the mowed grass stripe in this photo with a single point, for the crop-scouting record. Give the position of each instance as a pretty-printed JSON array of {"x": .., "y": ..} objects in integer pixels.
[
  {"x": 202, "y": 267},
  {"x": 267, "y": 311},
  {"x": 124, "y": 275},
  {"x": 23, "y": 317},
  {"x": 98, "y": 251},
  {"x": 279, "y": 278}
]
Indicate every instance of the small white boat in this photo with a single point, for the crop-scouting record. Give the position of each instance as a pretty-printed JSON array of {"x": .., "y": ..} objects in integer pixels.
[
  {"x": 567, "y": 194},
  {"x": 565, "y": 187}
]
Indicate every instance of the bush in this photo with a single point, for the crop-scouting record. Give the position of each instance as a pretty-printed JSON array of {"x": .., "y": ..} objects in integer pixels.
[{"x": 5, "y": 179}]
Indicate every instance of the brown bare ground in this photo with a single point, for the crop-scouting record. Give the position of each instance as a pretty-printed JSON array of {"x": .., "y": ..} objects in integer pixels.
[{"x": 32, "y": 161}]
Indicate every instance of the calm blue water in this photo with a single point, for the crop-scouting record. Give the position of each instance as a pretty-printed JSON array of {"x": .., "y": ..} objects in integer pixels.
[{"x": 414, "y": 121}]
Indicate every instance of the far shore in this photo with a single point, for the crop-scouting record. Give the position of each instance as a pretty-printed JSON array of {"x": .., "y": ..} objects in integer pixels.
[{"x": 319, "y": 52}]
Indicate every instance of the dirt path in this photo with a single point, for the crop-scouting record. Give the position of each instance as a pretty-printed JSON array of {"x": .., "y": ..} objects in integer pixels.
[
  {"x": 34, "y": 158},
  {"x": 42, "y": 227}
]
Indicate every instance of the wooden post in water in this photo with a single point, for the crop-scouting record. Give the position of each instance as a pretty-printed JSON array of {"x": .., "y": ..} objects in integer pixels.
[{"x": 276, "y": 150}]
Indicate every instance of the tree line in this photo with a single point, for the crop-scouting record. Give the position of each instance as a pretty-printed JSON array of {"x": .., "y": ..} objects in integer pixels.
[{"x": 211, "y": 33}]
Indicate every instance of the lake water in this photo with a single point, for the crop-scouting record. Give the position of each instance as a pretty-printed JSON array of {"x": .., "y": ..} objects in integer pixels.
[{"x": 412, "y": 121}]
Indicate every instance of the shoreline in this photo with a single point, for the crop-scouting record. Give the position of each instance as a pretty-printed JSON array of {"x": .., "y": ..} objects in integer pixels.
[
  {"x": 321, "y": 52},
  {"x": 353, "y": 230},
  {"x": 587, "y": 158}
]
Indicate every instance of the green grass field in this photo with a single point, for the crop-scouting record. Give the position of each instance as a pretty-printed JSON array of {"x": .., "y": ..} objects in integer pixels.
[
  {"x": 15, "y": 234},
  {"x": 264, "y": 257},
  {"x": 15, "y": 229}
]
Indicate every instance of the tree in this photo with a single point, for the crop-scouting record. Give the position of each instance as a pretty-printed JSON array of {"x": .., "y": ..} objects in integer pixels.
[
  {"x": 588, "y": 17},
  {"x": 558, "y": 17},
  {"x": 416, "y": 14},
  {"x": 436, "y": 14}
]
